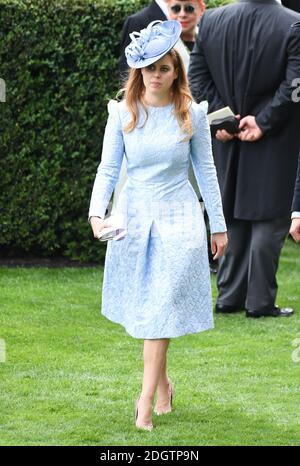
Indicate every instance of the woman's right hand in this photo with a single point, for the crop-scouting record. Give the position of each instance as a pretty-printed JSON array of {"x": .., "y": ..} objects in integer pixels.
[
  {"x": 97, "y": 225},
  {"x": 219, "y": 242}
]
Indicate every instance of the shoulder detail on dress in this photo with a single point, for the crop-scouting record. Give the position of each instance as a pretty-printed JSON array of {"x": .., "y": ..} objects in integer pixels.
[
  {"x": 199, "y": 112},
  {"x": 200, "y": 108},
  {"x": 113, "y": 106},
  {"x": 118, "y": 111},
  {"x": 116, "y": 108}
]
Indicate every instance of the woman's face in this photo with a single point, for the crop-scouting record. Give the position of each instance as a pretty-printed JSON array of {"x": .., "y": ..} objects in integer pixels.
[
  {"x": 186, "y": 12},
  {"x": 159, "y": 77}
]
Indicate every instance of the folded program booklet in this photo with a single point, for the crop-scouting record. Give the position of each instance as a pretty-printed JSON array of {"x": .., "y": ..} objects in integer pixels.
[
  {"x": 218, "y": 114},
  {"x": 223, "y": 119}
]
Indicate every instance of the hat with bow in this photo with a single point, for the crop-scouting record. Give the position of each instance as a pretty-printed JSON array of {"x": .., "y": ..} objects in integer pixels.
[{"x": 152, "y": 43}]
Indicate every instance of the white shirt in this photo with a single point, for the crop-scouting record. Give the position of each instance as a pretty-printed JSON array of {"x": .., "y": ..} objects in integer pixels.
[
  {"x": 296, "y": 215},
  {"x": 163, "y": 6}
]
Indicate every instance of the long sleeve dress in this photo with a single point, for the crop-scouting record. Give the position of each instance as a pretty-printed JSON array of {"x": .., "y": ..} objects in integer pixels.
[{"x": 156, "y": 280}]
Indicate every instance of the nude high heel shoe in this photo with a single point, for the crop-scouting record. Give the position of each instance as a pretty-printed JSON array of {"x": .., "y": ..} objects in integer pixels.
[
  {"x": 168, "y": 409},
  {"x": 147, "y": 427}
]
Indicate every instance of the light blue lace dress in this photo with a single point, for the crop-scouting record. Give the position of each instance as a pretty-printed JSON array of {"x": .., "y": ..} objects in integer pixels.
[{"x": 157, "y": 279}]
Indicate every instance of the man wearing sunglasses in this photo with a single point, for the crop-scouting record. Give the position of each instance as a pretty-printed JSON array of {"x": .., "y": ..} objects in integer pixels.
[
  {"x": 247, "y": 57},
  {"x": 188, "y": 9},
  {"x": 188, "y": 14}
]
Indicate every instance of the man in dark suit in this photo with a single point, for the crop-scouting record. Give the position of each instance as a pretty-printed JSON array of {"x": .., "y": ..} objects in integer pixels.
[
  {"x": 247, "y": 56},
  {"x": 292, "y": 4},
  {"x": 155, "y": 11},
  {"x": 295, "y": 227}
]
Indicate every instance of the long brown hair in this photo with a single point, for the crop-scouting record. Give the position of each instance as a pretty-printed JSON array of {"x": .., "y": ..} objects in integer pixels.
[{"x": 181, "y": 96}]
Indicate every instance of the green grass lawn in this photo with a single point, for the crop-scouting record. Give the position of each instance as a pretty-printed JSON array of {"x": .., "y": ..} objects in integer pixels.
[{"x": 71, "y": 376}]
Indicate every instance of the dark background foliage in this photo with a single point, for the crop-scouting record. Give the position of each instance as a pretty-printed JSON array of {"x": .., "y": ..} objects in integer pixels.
[{"x": 59, "y": 62}]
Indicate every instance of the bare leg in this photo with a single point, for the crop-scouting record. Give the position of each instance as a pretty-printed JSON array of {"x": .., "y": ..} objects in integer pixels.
[
  {"x": 154, "y": 360},
  {"x": 163, "y": 388},
  {"x": 163, "y": 377}
]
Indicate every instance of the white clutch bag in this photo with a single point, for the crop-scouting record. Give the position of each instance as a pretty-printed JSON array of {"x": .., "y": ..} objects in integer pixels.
[{"x": 116, "y": 231}]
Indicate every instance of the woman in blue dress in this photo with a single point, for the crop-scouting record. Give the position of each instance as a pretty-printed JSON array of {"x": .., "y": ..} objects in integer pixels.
[{"x": 156, "y": 277}]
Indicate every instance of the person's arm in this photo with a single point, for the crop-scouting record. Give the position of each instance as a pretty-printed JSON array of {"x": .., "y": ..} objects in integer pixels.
[
  {"x": 296, "y": 199},
  {"x": 295, "y": 225},
  {"x": 278, "y": 109},
  {"x": 206, "y": 176},
  {"x": 110, "y": 166},
  {"x": 201, "y": 83},
  {"x": 123, "y": 67}
]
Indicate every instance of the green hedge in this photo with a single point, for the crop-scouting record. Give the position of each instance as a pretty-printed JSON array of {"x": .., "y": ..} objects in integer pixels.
[{"x": 59, "y": 62}]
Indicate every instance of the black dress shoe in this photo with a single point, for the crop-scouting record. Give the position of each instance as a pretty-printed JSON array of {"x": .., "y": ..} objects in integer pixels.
[
  {"x": 223, "y": 309},
  {"x": 213, "y": 269},
  {"x": 274, "y": 312}
]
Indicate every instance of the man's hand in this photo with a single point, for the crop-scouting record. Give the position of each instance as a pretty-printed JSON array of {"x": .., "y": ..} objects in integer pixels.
[
  {"x": 218, "y": 242},
  {"x": 250, "y": 131},
  {"x": 295, "y": 229},
  {"x": 222, "y": 134}
]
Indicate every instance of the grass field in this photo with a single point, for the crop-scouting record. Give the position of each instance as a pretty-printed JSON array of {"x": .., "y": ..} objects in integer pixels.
[{"x": 71, "y": 376}]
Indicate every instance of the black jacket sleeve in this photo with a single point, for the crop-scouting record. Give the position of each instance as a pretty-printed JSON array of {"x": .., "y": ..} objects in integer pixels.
[
  {"x": 292, "y": 4},
  {"x": 130, "y": 25},
  {"x": 296, "y": 199},
  {"x": 201, "y": 83},
  {"x": 278, "y": 109},
  {"x": 125, "y": 40}
]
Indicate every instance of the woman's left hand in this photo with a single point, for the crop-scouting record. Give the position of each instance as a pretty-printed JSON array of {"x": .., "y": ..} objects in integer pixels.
[{"x": 218, "y": 242}]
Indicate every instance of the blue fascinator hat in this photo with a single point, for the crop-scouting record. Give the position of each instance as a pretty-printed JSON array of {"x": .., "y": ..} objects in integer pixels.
[{"x": 152, "y": 43}]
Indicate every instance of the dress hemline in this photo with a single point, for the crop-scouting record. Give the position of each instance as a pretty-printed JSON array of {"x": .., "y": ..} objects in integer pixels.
[{"x": 202, "y": 328}]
